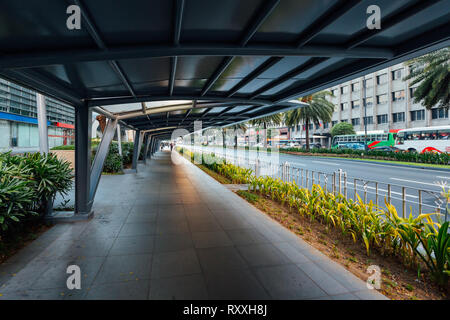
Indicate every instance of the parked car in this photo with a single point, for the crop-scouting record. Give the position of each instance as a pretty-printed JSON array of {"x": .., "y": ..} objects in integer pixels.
[{"x": 312, "y": 146}]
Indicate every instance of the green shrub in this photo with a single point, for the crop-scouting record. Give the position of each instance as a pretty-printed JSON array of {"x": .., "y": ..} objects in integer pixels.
[
  {"x": 427, "y": 157},
  {"x": 28, "y": 183},
  {"x": 66, "y": 147}
]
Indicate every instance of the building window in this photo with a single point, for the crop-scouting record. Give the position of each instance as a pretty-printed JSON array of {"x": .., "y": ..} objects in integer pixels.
[
  {"x": 439, "y": 113},
  {"x": 344, "y": 89},
  {"x": 398, "y": 117},
  {"x": 382, "y": 118},
  {"x": 417, "y": 115},
  {"x": 382, "y": 78},
  {"x": 397, "y": 74},
  {"x": 355, "y": 104},
  {"x": 398, "y": 95},
  {"x": 344, "y": 120},
  {"x": 411, "y": 91},
  {"x": 367, "y": 83},
  {"x": 355, "y": 87},
  {"x": 333, "y": 123},
  {"x": 333, "y": 92},
  {"x": 355, "y": 121},
  {"x": 326, "y": 125},
  {"x": 368, "y": 101},
  {"x": 344, "y": 106},
  {"x": 382, "y": 98},
  {"x": 368, "y": 120}
]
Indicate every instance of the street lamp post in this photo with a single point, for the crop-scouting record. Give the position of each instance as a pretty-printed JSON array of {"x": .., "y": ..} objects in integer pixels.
[{"x": 365, "y": 115}]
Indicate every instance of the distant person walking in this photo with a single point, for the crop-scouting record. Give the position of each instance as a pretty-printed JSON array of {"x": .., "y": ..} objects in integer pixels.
[{"x": 171, "y": 146}]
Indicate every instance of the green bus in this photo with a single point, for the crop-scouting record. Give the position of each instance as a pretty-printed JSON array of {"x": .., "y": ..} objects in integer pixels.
[{"x": 373, "y": 140}]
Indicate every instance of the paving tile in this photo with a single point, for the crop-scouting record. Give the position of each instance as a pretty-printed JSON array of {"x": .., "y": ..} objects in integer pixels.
[
  {"x": 118, "y": 269},
  {"x": 165, "y": 227},
  {"x": 173, "y": 242},
  {"x": 175, "y": 263},
  {"x": 211, "y": 239},
  {"x": 291, "y": 252},
  {"x": 246, "y": 236},
  {"x": 138, "y": 229},
  {"x": 326, "y": 282},
  {"x": 221, "y": 260},
  {"x": 204, "y": 224},
  {"x": 132, "y": 245},
  {"x": 130, "y": 290},
  {"x": 235, "y": 285},
  {"x": 288, "y": 282},
  {"x": 262, "y": 255},
  {"x": 369, "y": 295},
  {"x": 191, "y": 287},
  {"x": 56, "y": 275}
]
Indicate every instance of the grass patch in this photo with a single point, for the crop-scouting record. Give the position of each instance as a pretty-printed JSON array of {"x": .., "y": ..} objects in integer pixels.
[
  {"x": 249, "y": 196},
  {"x": 215, "y": 175}
]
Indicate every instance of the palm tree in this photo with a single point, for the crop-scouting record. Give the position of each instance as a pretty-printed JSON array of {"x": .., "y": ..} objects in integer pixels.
[
  {"x": 432, "y": 71},
  {"x": 267, "y": 121},
  {"x": 236, "y": 128},
  {"x": 318, "y": 109}
]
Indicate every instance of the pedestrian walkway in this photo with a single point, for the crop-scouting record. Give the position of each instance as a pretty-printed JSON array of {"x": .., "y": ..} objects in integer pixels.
[{"x": 172, "y": 232}]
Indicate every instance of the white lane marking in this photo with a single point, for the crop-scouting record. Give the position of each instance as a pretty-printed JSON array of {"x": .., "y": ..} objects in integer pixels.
[
  {"x": 326, "y": 162},
  {"x": 299, "y": 164},
  {"x": 413, "y": 181},
  {"x": 382, "y": 190},
  {"x": 442, "y": 177},
  {"x": 394, "y": 167}
]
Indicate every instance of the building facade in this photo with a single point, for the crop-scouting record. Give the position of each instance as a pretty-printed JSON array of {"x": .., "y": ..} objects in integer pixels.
[
  {"x": 389, "y": 106},
  {"x": 18, "y": 119}
]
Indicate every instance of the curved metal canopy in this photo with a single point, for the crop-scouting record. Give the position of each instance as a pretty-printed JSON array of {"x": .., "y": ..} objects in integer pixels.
[{"x": 164, "y": 64}]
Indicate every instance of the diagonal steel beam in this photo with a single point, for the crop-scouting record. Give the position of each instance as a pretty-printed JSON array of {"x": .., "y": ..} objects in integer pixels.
[
  {"x": 330, "y": 16},
  {"x": 178, "y": 17},
  {"x": 100, "y": 156},
  {"x": 254, "y": 74},
  {"x": 255, "y": 23},
  {"x": 95, "y": 34},
  {"x": 362, "y": 37},
  {"x": 389, "y": 22},
  {"x": 295, "y": 72}
]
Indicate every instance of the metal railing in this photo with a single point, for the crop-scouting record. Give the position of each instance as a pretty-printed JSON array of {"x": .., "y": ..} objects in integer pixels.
[{"x": 417, "y": 200}]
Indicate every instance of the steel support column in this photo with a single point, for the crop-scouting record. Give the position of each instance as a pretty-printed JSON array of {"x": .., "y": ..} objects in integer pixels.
[
  {"x": 147, "y": 142},
  {"x": 42, "y": 123},
  {"x": 137, "y": 144},
  {"x": 100, "y": 156},
  {"x": 119, "y": 140},
  {"x": 83, "y": 203}
]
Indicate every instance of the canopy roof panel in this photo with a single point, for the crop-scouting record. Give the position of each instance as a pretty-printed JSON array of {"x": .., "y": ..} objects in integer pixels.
[{"x": 221, "y": 62}]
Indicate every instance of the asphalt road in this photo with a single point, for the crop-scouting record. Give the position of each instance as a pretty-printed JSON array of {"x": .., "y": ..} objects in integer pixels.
[{"x": 412, "y": 179}]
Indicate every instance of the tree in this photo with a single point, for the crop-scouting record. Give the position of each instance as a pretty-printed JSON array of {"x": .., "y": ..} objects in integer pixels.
[
  {"x": 318, "y": 109},
  {"x": 236, "y": 129},
  {"x": 432, "y": 72},
  {"x": 267, "y": 121},
  {"x": 342, "y": 128}
]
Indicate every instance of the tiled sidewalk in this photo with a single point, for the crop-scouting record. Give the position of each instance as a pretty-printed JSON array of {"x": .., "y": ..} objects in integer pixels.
[{"x": 173, "y": 232}]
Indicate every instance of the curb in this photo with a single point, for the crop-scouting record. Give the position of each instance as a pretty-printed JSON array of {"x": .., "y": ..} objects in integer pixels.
[{"x": 389, "y": 164}]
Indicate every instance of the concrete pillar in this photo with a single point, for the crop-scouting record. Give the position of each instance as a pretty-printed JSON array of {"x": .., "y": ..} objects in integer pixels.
[
  {"x": 42, "y": 123},
  {"x": 83, "y": 203}
]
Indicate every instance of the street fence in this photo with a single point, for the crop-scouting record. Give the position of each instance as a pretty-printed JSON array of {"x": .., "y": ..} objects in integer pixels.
[{"x": 417, "y": 200}]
